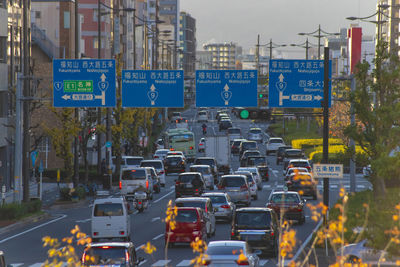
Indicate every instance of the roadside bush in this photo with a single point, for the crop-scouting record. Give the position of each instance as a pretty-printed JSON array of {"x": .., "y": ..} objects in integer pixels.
[
  {"x": 80, "y": 192},
  {"x": 65, "y": 194},
  {"x": 14, "y": 211}
]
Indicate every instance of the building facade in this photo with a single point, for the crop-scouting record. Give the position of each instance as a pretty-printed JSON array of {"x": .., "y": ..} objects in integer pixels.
[
  {"x": 169, "y": 14},
  {"x": 224, "y": 55},
  {"x": 388, "y": 15},
  {"x": 187, "y": 44}
]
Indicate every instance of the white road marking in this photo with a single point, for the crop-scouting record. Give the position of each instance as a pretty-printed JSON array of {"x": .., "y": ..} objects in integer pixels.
[
  {"x": 139, "y": 247},
  {"x": 334, "y": 186},
  {"x": 263, "y": 262},
  {"x": 16, "y": 264},
  {"x": 184, "y": 263},
  {"x": 279, "y": 186},
  {"x": 83, "y": 221},
  {"x": 161, "y": 198},
  {"x": 360, "y": 186},
  {"x": 161, "y": 263},
  {"x": 172, "y": 187},
  {"x": 34, "y": 228},
  {"x": 155, "y": 219},
  {"x": 157, "y": 237},
  {"x": 267, "y": 186},
  {"x": 143, "y": 262}
]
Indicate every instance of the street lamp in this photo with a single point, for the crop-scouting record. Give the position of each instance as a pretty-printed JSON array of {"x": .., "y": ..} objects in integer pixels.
[{"x": 321, "y": 33}]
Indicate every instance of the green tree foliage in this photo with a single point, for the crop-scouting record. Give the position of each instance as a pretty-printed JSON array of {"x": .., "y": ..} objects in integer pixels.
[
  {"x": 377, "y": 109},
  {"x": 62, "y": 137}
]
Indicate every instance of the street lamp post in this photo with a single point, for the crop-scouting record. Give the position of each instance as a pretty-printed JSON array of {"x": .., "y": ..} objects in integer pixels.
[{"x": 321, "y": 33}]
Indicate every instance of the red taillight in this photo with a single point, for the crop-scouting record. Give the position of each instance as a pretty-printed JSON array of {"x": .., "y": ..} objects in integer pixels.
[
  {"x": 105, "y": 247},
  {"x": 221, "y": 187},
  {"x": 272, "y": 233},
  {"x": 177, "y": 183},
  {"x": 300, "y": 208},
  {"x": 140, "y": 202},
  {"x": 269, "y": 205},
  {"x": 232, "y": 233},
  {"x": 121, "y": 232},
  {"x": 120, "y": 185},
  {"x": 161, "y": 172},
  {"x": 147, "y": 184},
  {"x": 156, "y": 157},
  {"x": 225, "y": 207},
  {"x": 127, "y": 258},
  {"x": 308, "y": 168},
  {"x": 244, "y": 187},
  {"x": 191, "y": 148},
  {"x": 95, "y": 233},
  {"x": 242, "y": 262},
  {"x": 206, "y": 262}
]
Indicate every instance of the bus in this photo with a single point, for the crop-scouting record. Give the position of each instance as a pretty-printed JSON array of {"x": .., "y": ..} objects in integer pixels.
[{"x": 181, "y": 139}]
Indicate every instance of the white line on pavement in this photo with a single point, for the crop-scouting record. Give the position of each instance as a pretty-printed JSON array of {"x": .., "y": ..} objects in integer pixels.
[
  {"x": 83, "y": 221},
  {"x": 143, "y": 262},
  {"x": 139, "y": 247},
  {"x": 161, "y": 198},
  {"x": 263, "y": 262},
  {"x": 16, "y": 264},
  {"x": 161, "y": 263},
  {"x": 34, "y": 228},
  {"x": 184, "y": 263},
  {"x": 157, "y": 237},
  {"x": 155, "y": 219}
]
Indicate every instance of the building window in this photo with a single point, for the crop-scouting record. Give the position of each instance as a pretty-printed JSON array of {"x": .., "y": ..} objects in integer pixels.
[
  {"x": 96, "y": 43},
  {"x": 3, "y": 3},
  {"x": 3, "y": 49},
  {"x": 67, "y": 20},
  {"x": 37, "y": 14}
]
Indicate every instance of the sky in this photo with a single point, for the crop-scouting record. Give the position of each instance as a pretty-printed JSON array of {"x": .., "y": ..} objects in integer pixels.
[{"x": 240, "y": 21}]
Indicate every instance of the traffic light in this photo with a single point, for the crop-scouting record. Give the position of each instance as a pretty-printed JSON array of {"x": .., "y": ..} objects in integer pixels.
[
  {"x": 260, "y": 95},
  {"x": 254, "y": 113},
  {"x": 244, "y": 114}
]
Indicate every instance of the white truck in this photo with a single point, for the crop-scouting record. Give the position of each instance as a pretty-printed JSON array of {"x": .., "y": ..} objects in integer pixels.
[{"x": 218, "y": 147}]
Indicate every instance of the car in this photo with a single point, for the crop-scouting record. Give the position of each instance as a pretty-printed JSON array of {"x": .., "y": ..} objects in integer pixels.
[
  {"x": 296, "y": 163},
  {"x": 261, "y": 163},
  {"x": 292, "y": 153},
  {"x": 111, "y": 253},
  {"x": 159, "y": 143},
  {"x": 205, "y": 170},
  {"x": 133, "y": 178},
  {"x": 304, "y": 183},
  {"x": 203, "y": 203},
  {"x": 235, "y": 146},
  {"x": 256, "y": 175},
  {"x": 175, "y": 116},
  {"x": 158, "y": 166},
  {"x": 290, "y": 171},
  {"x": 202, "y": 145},
  {"x": 255, "y": 134},
  {"x": 236, "y": 186},
  {"x": 234, "y": 133},
  {"x": 174, "y": 164},
  {"x": 259, "y": 227},
  {"x": 2, "y": 259},
  {"x": 176, "y": 153},
  {"x": 280, "y": 153},
  {"x": 289, "y": 204},
  {"x": 226, "y": 253},
  {"x": 224, "y": 125},
  {"x": 127, "y": 162},
  {"x": 247, "y": 145},
  {"x": 156, "y": 179},
  {"x": 189, "y": 224},
  {"x": 251, "y": 182},
  {"x": 182, "y": 123},
  {"x": 224, "y": 207},
  {"x": 202, "y": 116},
  {"x": 212, "y": 162},
  {"x": 248, "y": 153},
  {"x": 160, "y": 154},
  {"x": 110, "y": 219},
  {"x": 221, "y": 114},
  {"x": 189, "y": 184},
  {"x": 273, "y": 144}
]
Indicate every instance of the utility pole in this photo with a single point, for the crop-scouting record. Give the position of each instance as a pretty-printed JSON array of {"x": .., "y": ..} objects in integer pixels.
[
  {"x": 98, "y": 133},
  {"x": 76, "y": 139},
  {"x": 319, "y": 41},
  {"x": 325, "y": 148},
  {"x": 26, "y": 104},
  {"x": 134, "y": 39},
  {"x": 258, "y": 55},
  {"x": 307, "y": 47},
  {"x": 352, "y": 144},
  {"x": 270, "y": 48}
]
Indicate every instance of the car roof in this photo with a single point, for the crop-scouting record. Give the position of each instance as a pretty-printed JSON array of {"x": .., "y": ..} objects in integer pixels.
[
  {"x": 301, "y": 173},
  {"x": 132, "y": 157},
  {"x": 214, "y": 194},
  {"x": 298, "y": 160},
  {"x": 297, "y": 168},
  {"x": 226, "y": 243},
  {"x": 113, "y": 244},
  {"x": 247, "y": 169},
  {"x": 255, "y": 128},
  {"x": 189, "y": 173},
  {"x": 253, "y": 209},
  {"x": 162, "y": 150},
  {"x": 200, "y": 166},
  {"x": 174, "y": 156},
  {"x": 275, "y": 138},
  {"x": 205, "y": 158},
  {"x": 234, "y": 176},
  {"x": 285, "y": 192},
  {"x": 187, "y": 199},
  {"x": 249, "y": 141},
  {"x": 294, "y": 149},
  {"x": 113, "y": 199},
  {"x": 152, "y": 160}
]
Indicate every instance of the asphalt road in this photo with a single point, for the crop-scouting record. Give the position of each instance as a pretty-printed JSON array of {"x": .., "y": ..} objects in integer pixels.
[{"x": 23, "y": 247}]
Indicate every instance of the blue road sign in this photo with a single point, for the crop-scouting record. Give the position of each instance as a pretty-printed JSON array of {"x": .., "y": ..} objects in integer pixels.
[
  {"x": 226, "y": 88},
  {"x": 84, "y": 83},
  {"x": 41, "y": 166},
  {"x": 152, "y": 88},
  {"x": 34, "y": 155},
  {"x": 297, "y": 83}
]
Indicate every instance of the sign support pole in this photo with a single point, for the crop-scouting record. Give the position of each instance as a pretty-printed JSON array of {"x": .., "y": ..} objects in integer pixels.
[{"x": 325, "y": 148}]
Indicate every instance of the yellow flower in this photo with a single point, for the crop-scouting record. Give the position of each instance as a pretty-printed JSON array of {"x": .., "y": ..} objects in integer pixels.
[
  {"x": 395, "y": 217},
  {"x": 149, "y": 248}
]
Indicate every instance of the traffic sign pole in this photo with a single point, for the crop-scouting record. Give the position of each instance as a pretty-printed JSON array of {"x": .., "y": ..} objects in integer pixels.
[{"x": 325, "y": 152}]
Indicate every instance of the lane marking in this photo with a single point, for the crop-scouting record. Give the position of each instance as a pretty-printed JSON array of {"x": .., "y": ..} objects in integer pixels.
[
  {"x": 155, "y": 219},
  {"x": 139, "y": 247},
  {"x": 34, "y": 228},
  {"x": 360, "y": 186},
  {"x": 263, "y": 262},
  {"x": 157, "y": 237},
  {"x": 267, "y": 186},
  {"x": 143, "y": 262},
  {"x": 16, "y": 264},
  {"x": 184, "y": 263},
  {"x": 172, "y": 187},
  {"x": 83, "y": 221},
  {"x": 161, "y": 198},
  {"x": 161, "y": 263},
  {"x": 334, "y": 186}
]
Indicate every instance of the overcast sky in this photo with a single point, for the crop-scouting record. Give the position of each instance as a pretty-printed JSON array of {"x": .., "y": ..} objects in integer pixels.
[{"x": 241, "y": 20}]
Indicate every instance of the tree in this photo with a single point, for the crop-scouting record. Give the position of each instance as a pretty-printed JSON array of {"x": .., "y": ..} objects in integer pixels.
[
  {"x": 377, "y": 110},
  {"x": 62, "y": 136},
  {"x": 88, "y": 130}
]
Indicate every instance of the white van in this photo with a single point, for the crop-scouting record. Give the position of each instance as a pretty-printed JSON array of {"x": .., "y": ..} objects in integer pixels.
[
  {"x": 202, "y": 116},
  {"x": 110, "y": 219},
  {"x": 133, "y": 178},
  {"x": 127, "y": 162}
]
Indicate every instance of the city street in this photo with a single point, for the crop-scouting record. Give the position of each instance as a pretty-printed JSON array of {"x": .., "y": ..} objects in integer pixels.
[{"x": 149, "y": 225}]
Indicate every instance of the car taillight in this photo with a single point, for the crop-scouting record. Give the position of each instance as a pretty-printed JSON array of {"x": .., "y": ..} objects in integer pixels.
[
  {"x": 95, "y": 233},
  {"x": 206, "y": 206},
  {"x": 147, "y": 184},
  {"x": 156, "y": 157},
  {"x": 308, "y": 168},
  {"x": 221, "y": 187},
  {"x": 242, "y": 262},
  {"x": 272, "y": 233},
  {"x": 105, "y": 247},
  {"x": 191, "y": 148},
  {"x": 225, "y": 207},
  {"x": 127, "y": 258},
  {"x": 177, "y": 183},
  {"x": 140, "y": 202},
  {"x": 299, "y": 208},
  {"x": 232, "y": 233},
  {"x": 244, "y": 188},
  {"x": 120, "y": 185},
  {"x": 269, "y": 205},
  {"x": 121, "y": 232},
  {"x": 206, "y": 262},
  {"x": 161, "y": 172}
]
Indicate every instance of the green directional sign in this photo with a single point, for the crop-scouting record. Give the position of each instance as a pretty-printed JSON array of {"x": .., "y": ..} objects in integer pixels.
[
  {"x": 244, "y": 114},
  {"x": 72, "y": 86}
]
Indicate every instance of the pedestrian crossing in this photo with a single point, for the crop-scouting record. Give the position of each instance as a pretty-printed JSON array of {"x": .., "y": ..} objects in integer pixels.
[{"x": 158, "y": 263}]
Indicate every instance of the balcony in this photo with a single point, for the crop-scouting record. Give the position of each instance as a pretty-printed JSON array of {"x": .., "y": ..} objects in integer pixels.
[{"x": 40, "y": 38}]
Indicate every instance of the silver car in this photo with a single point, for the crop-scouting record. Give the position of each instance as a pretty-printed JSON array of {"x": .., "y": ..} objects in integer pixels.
[
  {"x": 256, "y": 175},
  {"x": 226, "y": 253},
  {"x": 236, "y": 186},
  {"x": 224, "y": 207},
  {"x": 207, "y": 174},
  {"x": 255, "y": 134},
  {"x": 251, "y": 181}
]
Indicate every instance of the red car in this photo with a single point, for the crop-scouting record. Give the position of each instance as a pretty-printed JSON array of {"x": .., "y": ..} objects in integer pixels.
[
  {"x": 289, "y": 203},
  {"x": 190, "y": 224}
]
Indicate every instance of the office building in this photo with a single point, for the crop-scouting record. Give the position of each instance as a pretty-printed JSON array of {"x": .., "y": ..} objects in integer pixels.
[{"x": 224, "y": 55}]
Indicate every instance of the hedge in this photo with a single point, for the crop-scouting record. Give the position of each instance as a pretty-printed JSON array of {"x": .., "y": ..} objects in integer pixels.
[{"x": 12, "y": 211}]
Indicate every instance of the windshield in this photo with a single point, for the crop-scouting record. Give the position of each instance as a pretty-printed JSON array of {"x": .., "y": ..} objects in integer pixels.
[
  {"x": 202, "y": 170},
  {"x": 162, "y": 152},
  {"x": 217, "y": 199},
  {"x": 299, "y": 164},
  {"x": 155, "y": 164},
  {"x": 236, "y": 143},
  {"x": 255, "y": 131},
  {"x": 202, "y": 113},
  {"x": 186, "y": 216},
  {"x": 252, "y": 153},
  {"x": 108, "y": 209},
  {"x": 187, "y": 178},
  {"x": 109, "y": 255},
  {"x": 209, "y": 162},
  {"x": 293, "y": 153},
  {"x": 233, "y": 131},
  {"x": 173, "y": 159},
  {"x": 134, "y": 161},
  {"x": 256, "y": 161},
  {"x": 253, "y": 220},
  {"x": 285, "y": 198},
  {"x": 134, "y": 175},
  {"x": 193, "y": 204},
  {"x": 181, "y": 138},
  {"x": 249, "y": 145},
  {"x": 224, "y": 250},
  {"x": 276, "y": 141}
]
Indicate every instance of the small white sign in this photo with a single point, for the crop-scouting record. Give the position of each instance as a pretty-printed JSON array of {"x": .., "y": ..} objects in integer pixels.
[{"x": 328, "y": 170}]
